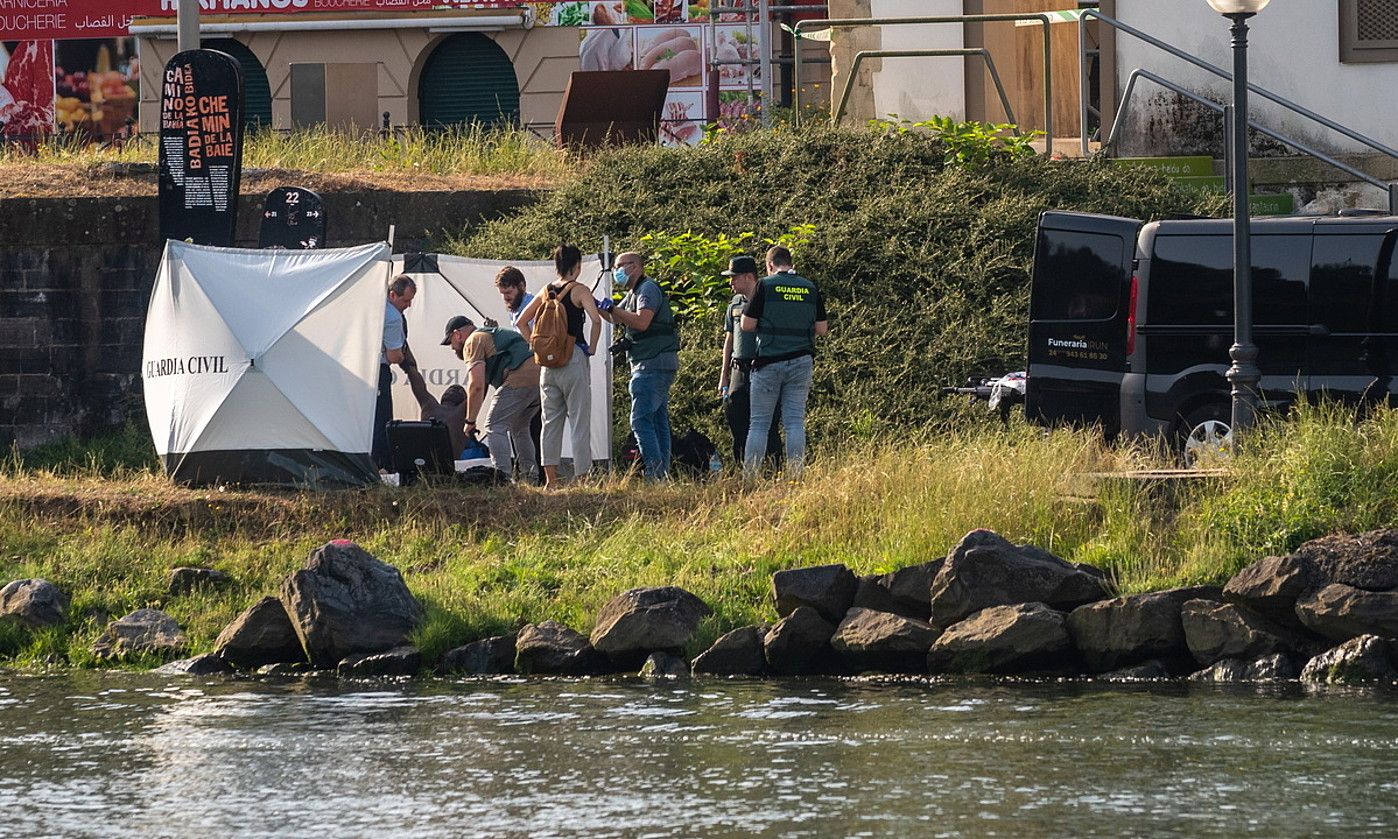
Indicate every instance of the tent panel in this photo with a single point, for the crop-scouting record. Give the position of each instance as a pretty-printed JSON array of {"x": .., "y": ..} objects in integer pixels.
[
  {"x": 258, "y": 415},
  {"x": 322, "y": 367},
  {"x": 467, "y": 287},
  {"x": 191, "y": 360},
  {"x": 307, "y": 468}
]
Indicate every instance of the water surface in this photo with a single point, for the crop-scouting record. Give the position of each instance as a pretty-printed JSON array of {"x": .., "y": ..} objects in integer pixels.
[{"x": 120, "y": 754}]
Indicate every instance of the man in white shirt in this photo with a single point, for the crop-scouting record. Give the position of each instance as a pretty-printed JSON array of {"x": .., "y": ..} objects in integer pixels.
[{"x": 395, "y": 351}]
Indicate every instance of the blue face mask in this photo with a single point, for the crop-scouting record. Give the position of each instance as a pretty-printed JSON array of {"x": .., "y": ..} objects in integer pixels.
[{"x": 619, "y": 277}]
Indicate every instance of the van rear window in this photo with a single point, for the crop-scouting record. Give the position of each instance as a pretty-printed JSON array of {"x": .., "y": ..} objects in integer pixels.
[
  {"x": 1078, "y": 276},
  {"x": 1191, "y": 280}
]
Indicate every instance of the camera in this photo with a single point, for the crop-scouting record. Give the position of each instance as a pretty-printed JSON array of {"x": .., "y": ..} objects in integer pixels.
[{"x": 621, "y": 345}]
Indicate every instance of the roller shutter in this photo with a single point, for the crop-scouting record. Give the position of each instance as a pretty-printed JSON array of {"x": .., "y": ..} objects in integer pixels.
[
  {"x": 257, "y": 93},
  {"x": 468, "y": 79}
]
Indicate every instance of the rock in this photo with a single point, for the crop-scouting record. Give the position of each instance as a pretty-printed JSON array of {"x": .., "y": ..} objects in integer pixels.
[
  {"x": 491, "y": 656},
  {"x": 1023, "y": 638},
  {"x": 829, "y": 589},
  {"x": 1149, "y": 670},
  {"x": 871, "y": 594},
  {"x": 799, "y": 643},
  {"x": 186, "y": 579},
  {"x": 1342, "y": 612},
  {"x": 550, "y": 648},
  {"x": 262, "y": 634},
  {"x": 664, "y": 666},
  {"x": 288, "y": 669},
  {"x": 738, "y": 653},
  {"x": 1270, "y": 587},
  {"x": 1214, "y": 631},
  {"x": 35, "y": 603},
  {"x": 986, "y": 570},
  {"x": 142, "y": 631},
  {"x": 346, "y": 602},
  {"x": 869, "y": 640},
  {"x": 912, "y": 587},
  {"x": 208, "y": 664},
  {"x": 1112, "y": 634},
  {"x": 643, "y": 620},
  {"x": 1277, "y": 667},
  {"x": 399, "y": 661},
  {"x": 1367, "y": 658}
]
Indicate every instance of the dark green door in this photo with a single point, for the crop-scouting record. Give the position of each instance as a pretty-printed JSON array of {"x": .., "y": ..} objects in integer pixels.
[
  {"x": 468, "y": 79},
  {"x": 257, "y": 94}
]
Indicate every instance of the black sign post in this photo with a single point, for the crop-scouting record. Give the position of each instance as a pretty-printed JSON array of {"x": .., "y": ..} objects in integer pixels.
[
  {"x": 293, "y": 218},
  {"x": 201, "y": 147}
]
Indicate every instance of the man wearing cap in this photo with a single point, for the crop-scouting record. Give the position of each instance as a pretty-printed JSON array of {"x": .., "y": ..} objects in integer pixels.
[
  {"x": 739, "y": 351},
  {"x": 654, "y": 353},
  {"x": 502, "y": 359},
  {"x": 394, "y": 351},
  {"x": 787, "y": 314}
]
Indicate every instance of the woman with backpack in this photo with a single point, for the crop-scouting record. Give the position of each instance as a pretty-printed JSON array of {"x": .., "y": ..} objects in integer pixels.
[{"x": 553, "y": 325}]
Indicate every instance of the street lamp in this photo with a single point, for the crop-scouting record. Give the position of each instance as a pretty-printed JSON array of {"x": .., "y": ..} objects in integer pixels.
[{"x": 1243, "y": 374}]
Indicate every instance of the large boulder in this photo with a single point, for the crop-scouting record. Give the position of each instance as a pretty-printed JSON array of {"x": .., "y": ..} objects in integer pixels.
[
  {"x": 34, "y": 603},
  {"x": 1342, "y": 612},
  {"x": 1214, "y": 631},
  {"x": 985, "y": 570},
  {"x": 829, "y": 589},
  {"x": 912, "y": 587},
  {"x": 869, "y": 640},
  {"x": 143, "y": 631},
  {"x": 737, "y": 653},
  {"x": 1023, "y": 638},
  {"x": 871, "y": 594},
  {"x": 1273, "y": 585},
  {"x": 552, "y": 649},
  {"x": 346, "y": 602},
  {"x": 638, "y": 622},
  {"x": 1277, "y": 667},
  {"x": 1128, "y": 630},
  {"x": 1367, "y": 658},
  {"x": 395, "y": 663},
  {"x": 208, "y": 664},
  {"x": 799, "y": 644},
  {"x": 262, "y": 634},
  {"x": 491, "y": 656},
  {"x": 185, "y": 579}
]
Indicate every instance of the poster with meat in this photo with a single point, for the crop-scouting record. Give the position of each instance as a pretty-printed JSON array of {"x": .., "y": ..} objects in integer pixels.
[
  {"x": 201, "y": 147},
  {"x": 26, "y": 90}
]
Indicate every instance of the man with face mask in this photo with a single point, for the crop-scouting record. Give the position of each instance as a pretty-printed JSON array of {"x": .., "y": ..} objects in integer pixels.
[
  {"x": 654, "y": 353},
  {"x": 502, "y": 359}
]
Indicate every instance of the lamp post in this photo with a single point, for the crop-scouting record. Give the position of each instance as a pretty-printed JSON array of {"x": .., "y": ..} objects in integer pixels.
[{"x": 1243, "y": 374}]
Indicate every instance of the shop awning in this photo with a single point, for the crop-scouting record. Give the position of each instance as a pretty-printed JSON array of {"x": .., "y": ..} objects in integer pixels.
[{"x": 444, "y": 20}]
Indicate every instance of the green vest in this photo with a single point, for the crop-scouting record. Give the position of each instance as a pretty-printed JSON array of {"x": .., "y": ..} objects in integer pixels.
[
  {"x": 511, "y": 350},
  {"x": 744, "y": 343},
  {"x": 660, "y": 337},
  {"x": 787, "y": 325}
]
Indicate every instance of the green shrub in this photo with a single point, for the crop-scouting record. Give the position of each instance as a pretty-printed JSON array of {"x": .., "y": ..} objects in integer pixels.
[{"x": 925, "y": 263}]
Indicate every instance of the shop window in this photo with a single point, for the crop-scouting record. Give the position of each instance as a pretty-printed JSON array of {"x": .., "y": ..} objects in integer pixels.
[{"x": 1368, "y": 31}]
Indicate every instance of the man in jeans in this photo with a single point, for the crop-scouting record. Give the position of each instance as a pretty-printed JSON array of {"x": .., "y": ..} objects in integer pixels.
[
  {"x": 739, "y": 352},
  {"x": 654, "y": 353},
  {"x": 787, "y": 312}
]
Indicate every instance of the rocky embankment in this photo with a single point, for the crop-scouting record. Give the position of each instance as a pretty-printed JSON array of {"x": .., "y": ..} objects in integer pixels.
[{"x": 1326, "y": 613}]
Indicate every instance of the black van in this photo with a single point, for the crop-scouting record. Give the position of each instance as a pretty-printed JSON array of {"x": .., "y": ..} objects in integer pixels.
[{"x": 1130, "y": 323}]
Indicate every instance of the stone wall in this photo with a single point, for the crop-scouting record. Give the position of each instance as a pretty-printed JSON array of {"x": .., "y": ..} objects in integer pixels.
[{"x": 76, "y": 276}]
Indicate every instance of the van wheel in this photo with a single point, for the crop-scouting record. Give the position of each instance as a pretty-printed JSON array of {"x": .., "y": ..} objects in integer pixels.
[{"x": 1206, "y": 436}]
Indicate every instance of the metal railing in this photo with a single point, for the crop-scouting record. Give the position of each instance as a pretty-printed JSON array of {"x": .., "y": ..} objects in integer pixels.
[
  {"x": 1286, "y": 104},
  {"x": 860, "y": 56},
  {"x": 849, "y": 23}
]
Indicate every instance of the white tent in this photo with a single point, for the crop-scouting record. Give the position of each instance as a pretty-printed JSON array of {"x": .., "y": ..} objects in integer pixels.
[
  {"x": 451, "y": 285},
  {"x": 260, "y": 366}
]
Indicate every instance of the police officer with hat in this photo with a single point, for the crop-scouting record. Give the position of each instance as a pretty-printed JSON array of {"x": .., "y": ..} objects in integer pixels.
[{"x": 739, "y": 352}]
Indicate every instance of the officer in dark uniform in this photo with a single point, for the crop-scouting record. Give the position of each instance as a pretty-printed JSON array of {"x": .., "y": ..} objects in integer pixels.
[
  {"x": 739, "y": 352},
  {"x": 787, "y": 313}
]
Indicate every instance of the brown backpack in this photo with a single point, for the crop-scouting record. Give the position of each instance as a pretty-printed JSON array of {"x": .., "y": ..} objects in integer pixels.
[{"x": 550, "y": 341}]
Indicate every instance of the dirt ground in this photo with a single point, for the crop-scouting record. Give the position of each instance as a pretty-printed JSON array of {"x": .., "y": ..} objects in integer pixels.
[{"x": 121, "y": 180}]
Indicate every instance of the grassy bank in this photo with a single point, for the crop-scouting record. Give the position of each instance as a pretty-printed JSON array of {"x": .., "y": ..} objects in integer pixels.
[{"x": 486, "y": 561}]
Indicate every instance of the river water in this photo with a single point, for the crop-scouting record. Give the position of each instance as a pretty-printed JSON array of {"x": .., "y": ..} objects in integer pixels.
[{"x": 124, "y": 754}]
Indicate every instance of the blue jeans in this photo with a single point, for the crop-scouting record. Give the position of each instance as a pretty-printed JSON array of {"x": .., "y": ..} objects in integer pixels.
[
  {"x": 779, "y": 386},
  {"x": 650, "y": 419}
]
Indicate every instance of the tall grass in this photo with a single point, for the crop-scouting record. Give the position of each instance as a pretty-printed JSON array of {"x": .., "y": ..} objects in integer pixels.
[
  {"x": 486, "y": 561},
  {"x": 471, "y": 150}
]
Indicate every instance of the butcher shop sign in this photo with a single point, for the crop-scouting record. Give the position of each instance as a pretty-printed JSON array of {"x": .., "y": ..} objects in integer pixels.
[{"x": 201, "y": 147}]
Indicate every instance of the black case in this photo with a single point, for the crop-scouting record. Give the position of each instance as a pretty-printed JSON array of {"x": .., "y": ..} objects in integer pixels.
[{"x": 420, "y": 447}]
